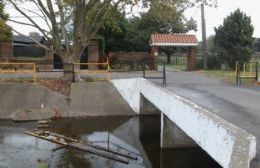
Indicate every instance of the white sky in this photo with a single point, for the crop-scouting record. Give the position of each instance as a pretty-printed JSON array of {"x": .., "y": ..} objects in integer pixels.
[{"x": 214, "y": 16}]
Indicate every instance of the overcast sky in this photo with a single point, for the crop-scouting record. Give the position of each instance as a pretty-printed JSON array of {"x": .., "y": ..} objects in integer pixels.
[{"x": 214, "y": 16}]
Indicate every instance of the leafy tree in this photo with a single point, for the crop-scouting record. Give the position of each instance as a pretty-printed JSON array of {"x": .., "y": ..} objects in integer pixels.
[
  {"x": 114, "y": 30},
  {"x": 5, "y": 31},
  {"x": 235, "y": 38},
  {"x": 162, "y": 17},
  {"x": 73, "y": 23}
]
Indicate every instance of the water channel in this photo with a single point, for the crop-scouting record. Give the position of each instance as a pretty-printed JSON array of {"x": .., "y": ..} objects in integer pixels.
[{"x": 138, "y": 136}]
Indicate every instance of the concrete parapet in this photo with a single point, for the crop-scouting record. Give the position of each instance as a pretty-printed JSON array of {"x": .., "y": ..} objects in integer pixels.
[{"x": 229, "y": 145}]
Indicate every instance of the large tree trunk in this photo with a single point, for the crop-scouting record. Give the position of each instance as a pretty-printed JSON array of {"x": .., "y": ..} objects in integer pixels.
[
  {"x": 71, "y": 69},
  {"x": 68, "y": 67},
  {"x": 68, "y": 75}
]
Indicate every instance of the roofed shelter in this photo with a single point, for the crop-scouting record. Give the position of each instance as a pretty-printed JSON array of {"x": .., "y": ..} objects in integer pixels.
[{"x": 175, "y": 40}]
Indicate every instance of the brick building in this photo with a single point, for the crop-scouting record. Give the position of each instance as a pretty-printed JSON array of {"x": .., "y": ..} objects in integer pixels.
[{"x": 23, "y": 46}]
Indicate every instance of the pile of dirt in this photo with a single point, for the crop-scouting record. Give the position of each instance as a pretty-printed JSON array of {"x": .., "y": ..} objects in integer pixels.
[
  {"x": 56, "y": 85},
  {"x": 42, "y": 113}
]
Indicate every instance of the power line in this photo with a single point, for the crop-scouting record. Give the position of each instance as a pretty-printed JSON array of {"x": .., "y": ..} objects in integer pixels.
[{"x": 25, "y": 17}]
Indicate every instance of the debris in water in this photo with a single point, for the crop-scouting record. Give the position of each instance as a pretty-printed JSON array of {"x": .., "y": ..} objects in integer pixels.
[{"x": 85, "y": 146}]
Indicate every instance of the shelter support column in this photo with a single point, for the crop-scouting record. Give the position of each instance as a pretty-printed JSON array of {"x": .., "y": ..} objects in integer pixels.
[
  {"x": 155, "y": 53},
  {"x": 6, "y": 51},
  {"x": 191, "y": 59},
  {"x": 172, "y": 136}
]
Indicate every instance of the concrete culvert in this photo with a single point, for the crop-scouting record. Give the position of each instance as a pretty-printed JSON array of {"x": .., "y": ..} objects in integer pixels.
[{"x": 34, "y": 114}]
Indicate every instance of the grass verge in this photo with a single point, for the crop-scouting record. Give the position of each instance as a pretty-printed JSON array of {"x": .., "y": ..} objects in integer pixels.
[
  {"x": 227, "y": 76},
  {"x": 178, "y": 67}
]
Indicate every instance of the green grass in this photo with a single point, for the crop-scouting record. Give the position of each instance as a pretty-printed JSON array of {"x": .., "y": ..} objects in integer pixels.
[
  {"x": 178, "y": 67},
  {"x": 16, "y": 80},
  {"x": 228, "y": 76}
]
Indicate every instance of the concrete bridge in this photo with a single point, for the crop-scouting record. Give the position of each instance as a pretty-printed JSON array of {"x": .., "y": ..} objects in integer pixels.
[{"x": 185, "y": 124}]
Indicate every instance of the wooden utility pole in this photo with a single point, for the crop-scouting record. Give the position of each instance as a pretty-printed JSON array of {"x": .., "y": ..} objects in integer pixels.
[{"x": 204, "y": 38}]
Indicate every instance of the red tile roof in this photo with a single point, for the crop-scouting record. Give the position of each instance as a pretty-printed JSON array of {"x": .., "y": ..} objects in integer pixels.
[{"x": 173, "y": 39}]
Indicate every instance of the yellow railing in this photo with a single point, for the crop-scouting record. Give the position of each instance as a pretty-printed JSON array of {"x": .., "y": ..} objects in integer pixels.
[
  {"x": 95, "y": 71},
  {"x": 30, "y": 68},
  {"x": 14, "y": 68},
  {"x": 246, "y": 70}
]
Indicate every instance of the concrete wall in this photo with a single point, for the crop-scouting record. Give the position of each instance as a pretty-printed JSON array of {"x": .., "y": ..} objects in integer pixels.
[
  {"x": 86, "y": 99},
  {"x": 25, "y": 97},
  {"x": 147, "y": 108},
  {"x": 172, "y": 136},
  {"x": 229, "y": 145},
  {"x": 97, "y": 99},
  {"x": 130, "y": 56}
]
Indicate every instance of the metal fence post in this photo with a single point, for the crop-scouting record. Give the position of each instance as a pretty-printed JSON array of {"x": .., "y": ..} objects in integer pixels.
[
  {"x": 73, "y": 73},
  {"x": 237, "y": 67},
  {"x": 239, "y": 74},
  {"x": 34, "y": 73},
  {"x": 164, "y": 75},
  {"x": 256, "y": 71},
  {"x": 238, "y": 78},
  {"x": 108, "y": 71},
  {"x": 143, "y": 70}
]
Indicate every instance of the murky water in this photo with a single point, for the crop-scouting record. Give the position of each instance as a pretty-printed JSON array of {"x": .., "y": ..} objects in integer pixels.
[{"x": 138, "y": 136}]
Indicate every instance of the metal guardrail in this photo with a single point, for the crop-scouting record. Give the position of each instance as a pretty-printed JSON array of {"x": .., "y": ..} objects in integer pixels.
[
  {"x": 94, "y": 71},
  {"x": 157, "y": 77},
  {"x": 75, "y": 68},
  {"x": 142, "y": 66},
  {"x": 18, "y": 68},
  {"x": 245, "y": 70}
]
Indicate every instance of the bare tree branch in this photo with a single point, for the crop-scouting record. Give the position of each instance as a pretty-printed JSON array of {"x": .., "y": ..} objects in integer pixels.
[
  {"x": 43, "y": 8},
  {"x": 43, "y": 16},
  {"x": 56, "y": 37},
  {"x": 62, "y": 22},
  {"x": 30, "y": 19},
  {"x": 23, "y": 23}
]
